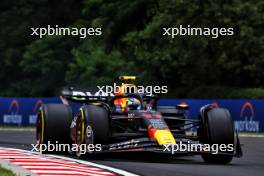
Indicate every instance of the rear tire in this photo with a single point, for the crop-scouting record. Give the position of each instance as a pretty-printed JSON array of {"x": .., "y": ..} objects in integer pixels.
[
  {"x": 217, "y": 128},
  {"x": 53, "y": 124}
]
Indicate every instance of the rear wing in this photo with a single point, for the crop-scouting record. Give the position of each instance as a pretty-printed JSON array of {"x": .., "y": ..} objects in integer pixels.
[{"x": 85, "y": 95}]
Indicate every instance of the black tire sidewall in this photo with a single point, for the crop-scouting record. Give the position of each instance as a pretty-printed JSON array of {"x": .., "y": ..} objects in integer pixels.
[
  {"x": 57, "y": 120},
  {"x": 217, "y": 128},
  {"x": 97, "y": 117}
]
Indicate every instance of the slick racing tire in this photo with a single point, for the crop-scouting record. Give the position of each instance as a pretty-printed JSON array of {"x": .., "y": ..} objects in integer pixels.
[
  {"x": 217, "y": 128},
  {"x": 53, "y": 125},
  {"x": 92, "y": 128}
]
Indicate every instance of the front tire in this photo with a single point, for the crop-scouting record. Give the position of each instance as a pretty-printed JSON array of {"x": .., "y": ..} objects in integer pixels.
[
  {"x": 92, "y": 127},
  {"x": 217, "y": 128}
]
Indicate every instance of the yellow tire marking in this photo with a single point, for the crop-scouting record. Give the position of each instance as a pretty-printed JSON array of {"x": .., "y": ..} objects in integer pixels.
[
  {"x": 42, "y": 127},
  {"x": 82, "y": 120}
]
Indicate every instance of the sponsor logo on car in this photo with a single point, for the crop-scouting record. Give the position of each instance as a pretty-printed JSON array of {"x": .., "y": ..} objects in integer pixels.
[
  {"x": 13, "y": 116},
  {"x": 248, "y": 124},
  {"x": 32, "y": 118},
  {"x": 124, "y": 145}
]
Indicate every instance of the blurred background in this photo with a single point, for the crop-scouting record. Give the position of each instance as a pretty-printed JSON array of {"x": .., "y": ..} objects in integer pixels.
[{"x": 132, "y": 44}]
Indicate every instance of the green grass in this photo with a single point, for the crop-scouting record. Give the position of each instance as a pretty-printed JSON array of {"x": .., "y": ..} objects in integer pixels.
[
  {"x": 17, "y": 128},
  {"x": 251, "y": 134},
  {"x": 4, "y": 172}
]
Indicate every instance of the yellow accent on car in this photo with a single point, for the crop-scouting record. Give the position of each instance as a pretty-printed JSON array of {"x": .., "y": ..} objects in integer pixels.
[
  {"x": 183, "y": 105},
  {"x": 82, "y": 121},
  {"x": 164, "y": 137},
  {"x": 78, "y": 98},
  {"x": 125, "y": 85},
  {"x": 123, "y": 78}
]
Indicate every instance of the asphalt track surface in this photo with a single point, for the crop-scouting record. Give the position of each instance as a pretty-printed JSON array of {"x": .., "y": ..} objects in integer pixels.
[{"x": 251, "y": 164}]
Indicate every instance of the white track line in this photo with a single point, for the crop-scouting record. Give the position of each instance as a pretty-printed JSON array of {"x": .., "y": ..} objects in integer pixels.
[
  {"x": 17, "y": 157},
  {"x": 119, "y": 171},
  {"x": 70, "y": 161},
  {"x": 56, "y": 164},
  {"x": 66, "y": 168},
  {"x": 66, "y": 172}
]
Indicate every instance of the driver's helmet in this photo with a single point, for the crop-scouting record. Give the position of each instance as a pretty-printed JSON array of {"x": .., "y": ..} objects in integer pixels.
[{"x": 127, "y": 103}]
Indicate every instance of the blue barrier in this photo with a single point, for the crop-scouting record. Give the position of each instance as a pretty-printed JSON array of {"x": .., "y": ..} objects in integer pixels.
[
  {"x": 248, "y": 115},
  {"x": 21, "y": 111}
]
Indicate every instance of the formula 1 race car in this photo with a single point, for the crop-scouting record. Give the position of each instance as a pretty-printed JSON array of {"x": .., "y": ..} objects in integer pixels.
[{"x": 141, "y": 126}]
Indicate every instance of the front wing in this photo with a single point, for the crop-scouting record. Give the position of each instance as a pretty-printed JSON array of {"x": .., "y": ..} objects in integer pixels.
[{"x": 150, "y": 145}]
